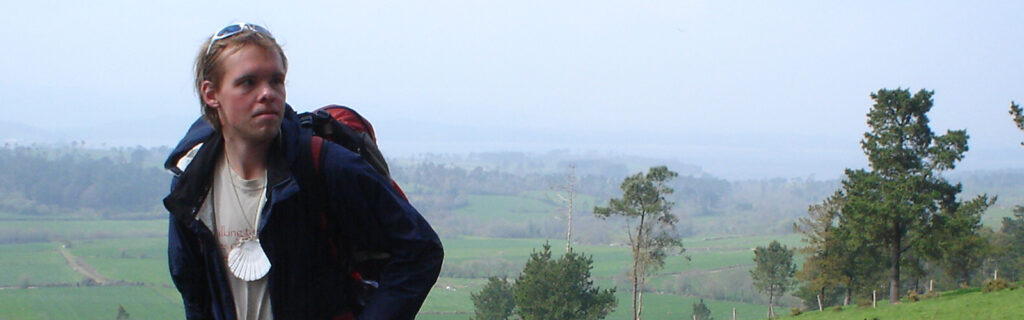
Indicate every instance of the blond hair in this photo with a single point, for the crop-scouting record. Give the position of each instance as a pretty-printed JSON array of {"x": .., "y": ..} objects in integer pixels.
[{"x": 208, "y": 63}]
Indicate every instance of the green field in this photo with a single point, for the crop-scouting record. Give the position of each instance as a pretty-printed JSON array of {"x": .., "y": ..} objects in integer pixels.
[
  {"x": 141, "y": 261},
  {"x": 134, "y": 251},
  {"x": 993, "y": 217},
  {"x": 34, "y": 264},
  {"x": 90, "y": 303},
  {"x": 511, "y": 208},
  {"x": 132, "y": 260}
]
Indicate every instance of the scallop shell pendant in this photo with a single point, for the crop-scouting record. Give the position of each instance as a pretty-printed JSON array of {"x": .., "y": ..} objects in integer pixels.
[{"x": 247, "y": 260}]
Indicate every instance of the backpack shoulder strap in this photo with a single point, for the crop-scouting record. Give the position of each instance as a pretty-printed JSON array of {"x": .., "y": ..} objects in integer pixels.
[{"x": 316, "y": 144}]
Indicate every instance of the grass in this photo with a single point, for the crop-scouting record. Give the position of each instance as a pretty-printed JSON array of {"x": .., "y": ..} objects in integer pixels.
[
  {"x": 34, "y": 264},
  {"x": 451, "y": 296},
  {"x": 90, "y": 303},
  {"x": 510, "y": 208},
  {"x": 993, "y": 217},
  {"x": 668, "y": 306},
  {"x": 965, "y": 304},
  {"x": 132, "y": 259}
]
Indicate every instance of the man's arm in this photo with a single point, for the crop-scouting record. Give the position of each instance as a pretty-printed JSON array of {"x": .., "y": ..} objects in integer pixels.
[
  {"x": 415, "y": 263},
  {"x": 396, "y": 227},
  {"x": 186, "y": 266}
]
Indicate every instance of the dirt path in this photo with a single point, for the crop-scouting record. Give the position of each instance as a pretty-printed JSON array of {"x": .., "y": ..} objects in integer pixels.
[{"x": 83, "y": 268}]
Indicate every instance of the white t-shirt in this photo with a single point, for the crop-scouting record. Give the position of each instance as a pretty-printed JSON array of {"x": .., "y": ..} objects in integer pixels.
[{"x": 235, "y": 206}]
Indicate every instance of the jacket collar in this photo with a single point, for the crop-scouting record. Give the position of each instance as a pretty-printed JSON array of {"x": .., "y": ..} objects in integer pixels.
[{"x": 193, "y": 161}]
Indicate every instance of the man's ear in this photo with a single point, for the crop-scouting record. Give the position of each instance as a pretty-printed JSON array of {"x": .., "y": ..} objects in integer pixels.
[{"x": 209, "y": 92}]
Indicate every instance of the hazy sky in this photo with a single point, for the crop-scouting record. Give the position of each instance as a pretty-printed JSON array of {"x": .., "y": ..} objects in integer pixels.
[{"x": 741, "y": 88}]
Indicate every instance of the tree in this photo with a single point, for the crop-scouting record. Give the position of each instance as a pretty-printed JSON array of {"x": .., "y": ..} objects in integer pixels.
[
  {"x": 1009, "y": 246},
  {"x": 494, "y": 301},
  {"x": 961, "y": 246},
  {"x": 650, "y": 226},
  {"x": 122, "y": 314},
  {"x": 701, "y": 311},
  {"x": 560, "y": 289},
  {"x": 773, "y": 273},
  {"x": 820, "y": 270},
  {"x": 1018, "y": 116},
  {"x": 570, "y": 200},
  {"x": 1011, "y": 243},
  {"x": 902, "y": 201},
  {"x": 836, "y": 258}
]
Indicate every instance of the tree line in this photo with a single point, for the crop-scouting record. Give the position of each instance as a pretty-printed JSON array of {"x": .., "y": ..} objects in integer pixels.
[{"x": 78, "y": 182}]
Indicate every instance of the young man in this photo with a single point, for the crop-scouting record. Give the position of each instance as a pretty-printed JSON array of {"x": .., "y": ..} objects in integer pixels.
[{"x": 256, "y": 231}]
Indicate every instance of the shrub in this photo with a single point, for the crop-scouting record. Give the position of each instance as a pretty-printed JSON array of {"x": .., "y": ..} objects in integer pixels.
[
  {"x": 912, "y": 296},
  {"x": 795, "y": 311},
  {"x": 995, "y": 285}
]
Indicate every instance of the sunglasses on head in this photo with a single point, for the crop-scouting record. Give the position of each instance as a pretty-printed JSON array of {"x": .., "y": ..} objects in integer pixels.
[{"x": 234, "y": 29}]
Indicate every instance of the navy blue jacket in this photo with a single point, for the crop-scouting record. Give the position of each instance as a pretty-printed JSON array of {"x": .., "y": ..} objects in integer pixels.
[{"x": 304, "y": 280}]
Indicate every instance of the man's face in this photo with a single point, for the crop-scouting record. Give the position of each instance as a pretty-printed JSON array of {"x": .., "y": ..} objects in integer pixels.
[{"x": 250, "y": 97}]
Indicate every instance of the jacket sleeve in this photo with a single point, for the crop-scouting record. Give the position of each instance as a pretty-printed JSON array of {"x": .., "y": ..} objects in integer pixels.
[
  {"x": 186, "y": 266},
  {"x": 415, "y": 251}
]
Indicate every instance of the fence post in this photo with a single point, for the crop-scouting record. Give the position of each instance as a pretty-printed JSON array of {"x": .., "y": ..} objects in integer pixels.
[
  {"x": 733, "y": 313},
  {"x": 874, "y": 299}
]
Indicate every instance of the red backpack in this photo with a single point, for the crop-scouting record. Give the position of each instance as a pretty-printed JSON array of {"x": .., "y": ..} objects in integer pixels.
[{"x": 345, "y": 127}]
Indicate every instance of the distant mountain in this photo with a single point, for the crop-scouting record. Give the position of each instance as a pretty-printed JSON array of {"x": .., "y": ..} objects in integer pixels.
[
  {"x": 17, "y": 133},
  {"x": 150, "y": 132}
]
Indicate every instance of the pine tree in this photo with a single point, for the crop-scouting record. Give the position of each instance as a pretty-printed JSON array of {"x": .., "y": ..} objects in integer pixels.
[
  {"x": 561, "y": 289},
  {"x": 836, "y": 257},
  {"x": 495, "y": 301},
  {"x": 961, "y": 246},
  {"x": 1018, "y": 116},
  {"x": 773, "y": 272},
  {"x": 1011, "y": 235},
  {"x": 1011, "y": 262},
  {"x": 650, "y": 225},
  {"x": 901, "y": 203},
  {"x": 701, "y": 311},
  {"x": 122, "y": 314}
]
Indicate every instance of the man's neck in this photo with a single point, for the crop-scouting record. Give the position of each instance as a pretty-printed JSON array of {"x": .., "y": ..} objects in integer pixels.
[{"x": 247, "y": 159}]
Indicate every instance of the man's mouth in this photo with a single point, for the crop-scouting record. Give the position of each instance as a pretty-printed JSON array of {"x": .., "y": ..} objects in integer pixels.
[{"x": 267, "y": 113}]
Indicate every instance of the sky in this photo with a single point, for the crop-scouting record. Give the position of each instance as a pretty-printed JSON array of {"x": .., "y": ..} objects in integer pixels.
[{"x": 743, "y": 89}]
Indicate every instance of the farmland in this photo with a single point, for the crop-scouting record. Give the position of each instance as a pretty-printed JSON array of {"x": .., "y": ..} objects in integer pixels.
[{"x": 38, "y": 284}]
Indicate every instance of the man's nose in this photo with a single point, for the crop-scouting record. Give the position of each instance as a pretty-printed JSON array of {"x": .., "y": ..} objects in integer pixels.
[{"x": 268, "y": 93}]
